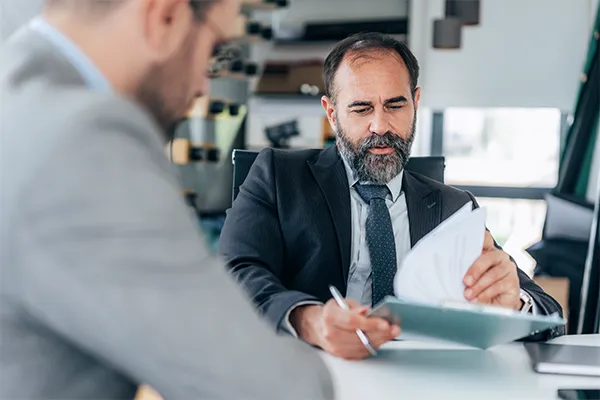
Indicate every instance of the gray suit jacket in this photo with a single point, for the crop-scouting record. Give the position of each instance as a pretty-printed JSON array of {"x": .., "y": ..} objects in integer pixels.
[{"x": 106, "y": 281}]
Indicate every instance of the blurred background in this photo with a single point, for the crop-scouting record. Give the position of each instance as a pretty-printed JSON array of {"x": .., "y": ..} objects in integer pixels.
[{"x": 509, "y": 97}]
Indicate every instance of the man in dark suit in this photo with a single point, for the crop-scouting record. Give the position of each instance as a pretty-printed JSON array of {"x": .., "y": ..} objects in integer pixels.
[{"x": 347, "y": 215}]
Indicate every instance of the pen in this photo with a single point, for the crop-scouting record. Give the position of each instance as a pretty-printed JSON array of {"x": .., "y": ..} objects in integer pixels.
[{"x": 361, "y": 335}]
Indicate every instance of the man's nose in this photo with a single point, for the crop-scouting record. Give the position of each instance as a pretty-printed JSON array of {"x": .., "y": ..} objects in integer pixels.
[{"x": 379, "y": 123}]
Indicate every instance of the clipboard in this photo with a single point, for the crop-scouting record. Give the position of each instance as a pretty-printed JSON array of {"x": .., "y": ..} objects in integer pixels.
[{"x": 475, "y": 325}]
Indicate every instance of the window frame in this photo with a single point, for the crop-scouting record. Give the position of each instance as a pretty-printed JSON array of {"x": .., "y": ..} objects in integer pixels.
[{"x": 492, "y": 191}]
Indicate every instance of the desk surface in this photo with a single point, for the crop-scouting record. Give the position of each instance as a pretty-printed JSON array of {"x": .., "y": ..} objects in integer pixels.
[{"x": 416, "y": 370}]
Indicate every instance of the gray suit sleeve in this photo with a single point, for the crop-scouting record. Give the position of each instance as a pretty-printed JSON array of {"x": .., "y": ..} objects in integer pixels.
[{"x": 118, "y": 268}]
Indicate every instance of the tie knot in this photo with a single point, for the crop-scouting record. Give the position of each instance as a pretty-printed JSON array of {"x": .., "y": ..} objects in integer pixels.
[{"x": 370, "y": 192}]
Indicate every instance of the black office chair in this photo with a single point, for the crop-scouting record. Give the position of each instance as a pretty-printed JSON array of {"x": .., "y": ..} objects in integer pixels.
[{"x": 431, "y": 167}]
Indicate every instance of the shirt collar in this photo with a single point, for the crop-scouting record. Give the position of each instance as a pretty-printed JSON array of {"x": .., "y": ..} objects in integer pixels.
[
  {"x": 394, "y": 186},
  {"x": 93, "y": 78}
]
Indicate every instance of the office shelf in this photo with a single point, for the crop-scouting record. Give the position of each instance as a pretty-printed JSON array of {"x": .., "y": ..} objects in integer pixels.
[
  {"x": 288, "y": 96},
  {"x": 323, "y": 42},
  {"x": 262, "y": 6}
]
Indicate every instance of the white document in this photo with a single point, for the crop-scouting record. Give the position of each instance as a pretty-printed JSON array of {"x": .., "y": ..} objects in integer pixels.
[{"x": 434, "y": 269}]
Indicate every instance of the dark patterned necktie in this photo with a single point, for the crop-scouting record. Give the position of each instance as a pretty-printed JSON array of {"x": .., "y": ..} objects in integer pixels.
[{"x": 380, "y": 239}]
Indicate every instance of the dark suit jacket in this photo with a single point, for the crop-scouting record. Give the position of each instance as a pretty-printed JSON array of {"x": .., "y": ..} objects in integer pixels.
[{"x": 287, "y": 235}]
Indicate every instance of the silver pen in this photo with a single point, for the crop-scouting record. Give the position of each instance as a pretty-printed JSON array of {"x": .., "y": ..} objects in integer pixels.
[{"x": 361, "y": 335}]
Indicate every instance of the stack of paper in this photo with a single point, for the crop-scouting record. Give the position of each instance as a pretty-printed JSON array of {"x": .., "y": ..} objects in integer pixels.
[
  {"x": 433, "y": 271},
  {"x": 430, "y": 303}
]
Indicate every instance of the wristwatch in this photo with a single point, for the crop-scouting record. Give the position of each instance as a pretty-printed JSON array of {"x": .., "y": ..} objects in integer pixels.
[{"x": 527, "y": 301}]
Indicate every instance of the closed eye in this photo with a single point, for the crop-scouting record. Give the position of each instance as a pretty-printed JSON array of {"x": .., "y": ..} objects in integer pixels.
[
  {"x": 361, "y": 110},
  {"x": 395, "y": 107}
]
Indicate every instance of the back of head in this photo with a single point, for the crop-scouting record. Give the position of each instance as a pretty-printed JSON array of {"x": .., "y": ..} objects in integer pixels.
[{"x": 156, "y": 51}]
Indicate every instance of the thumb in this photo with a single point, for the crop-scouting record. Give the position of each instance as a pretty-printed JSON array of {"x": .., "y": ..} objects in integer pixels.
[
  {"x": 352, "y": 303},
  {"x": 488, "y": 241},
  {"x": 356, "y": 307}
]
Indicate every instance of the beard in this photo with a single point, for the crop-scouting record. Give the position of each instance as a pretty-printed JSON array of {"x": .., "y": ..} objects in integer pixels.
[
  {"x": 376, "y": 168},
  {"x": 164, "y": 91}
]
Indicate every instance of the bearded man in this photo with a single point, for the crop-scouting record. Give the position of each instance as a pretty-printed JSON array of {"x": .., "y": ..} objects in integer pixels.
[{"x": 347, "y": 215}]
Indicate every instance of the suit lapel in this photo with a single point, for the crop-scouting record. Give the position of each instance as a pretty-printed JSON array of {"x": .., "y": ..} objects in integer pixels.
[
  {"x": 330, "y": 175},
  {"x": 423, "y": 205}
]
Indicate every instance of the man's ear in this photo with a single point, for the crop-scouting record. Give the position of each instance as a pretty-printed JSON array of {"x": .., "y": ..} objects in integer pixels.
[
  {"x": 329, "y": 108},
  {"x": 417, "y": 97},
  {"x": 166, "y": 24}
]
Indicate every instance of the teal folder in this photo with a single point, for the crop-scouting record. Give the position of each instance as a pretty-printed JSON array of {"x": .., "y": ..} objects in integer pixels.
[{"x": 469, "y": 324}]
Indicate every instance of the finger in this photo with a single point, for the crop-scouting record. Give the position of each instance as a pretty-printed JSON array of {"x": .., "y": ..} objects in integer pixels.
[
  {"x": 380, "y": 337},
  {"x": 349, "y": 320},
  {"x": 340, "y": 338},
  {"x": 488, "y": 241},
  {"x": 353, "y": 304},
  {"x": 347, "y": 345},
  {"x": 503, "y": 286},
  {"x": 481, "y": 265},
  {"x": 374, "y": 324},
  {"x": 391, "y": 332},
  {"x": 382, "y": 333},
  {"x": 490, "y": 277}
]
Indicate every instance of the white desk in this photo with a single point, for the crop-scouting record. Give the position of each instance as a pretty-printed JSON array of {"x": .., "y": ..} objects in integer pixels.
[{"x": 412, "y": 370}]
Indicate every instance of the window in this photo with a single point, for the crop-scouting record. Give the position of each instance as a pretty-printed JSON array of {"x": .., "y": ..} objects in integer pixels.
[
  {"x": 516, "y": 224},
  {"x": 514, "y": 147},
  {"x": 508, "y": 158}
]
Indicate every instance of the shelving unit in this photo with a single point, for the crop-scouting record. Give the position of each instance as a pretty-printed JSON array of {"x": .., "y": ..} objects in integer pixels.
[
  {"x": 208, "y": 180},
  {"x": 211, "y": 181},
  {"x": 288, "y": 97},
  {"x": 293, "y": 42}
]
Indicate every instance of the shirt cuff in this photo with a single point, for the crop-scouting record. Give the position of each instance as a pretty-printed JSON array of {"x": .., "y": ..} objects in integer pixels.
[
  {"x": 534, "y": 307},
  {"x": 287, "y": 325}
]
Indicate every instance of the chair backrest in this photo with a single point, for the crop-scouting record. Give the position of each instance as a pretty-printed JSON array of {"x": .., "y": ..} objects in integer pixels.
[{"x": 431, "y": 167}]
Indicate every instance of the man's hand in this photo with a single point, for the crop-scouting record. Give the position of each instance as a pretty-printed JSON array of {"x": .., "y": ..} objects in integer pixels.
[
  {"x": 334, "y": 329},
  {"x": 493, "y": 278}
]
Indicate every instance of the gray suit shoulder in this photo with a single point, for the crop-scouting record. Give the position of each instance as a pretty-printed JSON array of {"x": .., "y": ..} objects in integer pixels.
[{"x": 94, "y": 113}]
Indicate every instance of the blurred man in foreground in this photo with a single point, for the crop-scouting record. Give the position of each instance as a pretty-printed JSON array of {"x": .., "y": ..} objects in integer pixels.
[{"x": 105, "y": 281}]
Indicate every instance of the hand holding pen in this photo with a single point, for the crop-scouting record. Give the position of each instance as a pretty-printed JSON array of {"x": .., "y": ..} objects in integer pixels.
[
  {"x": 349, "y": 333},
  {"x": 344, "y": 306},
  {"x": 334, "y": 328}
]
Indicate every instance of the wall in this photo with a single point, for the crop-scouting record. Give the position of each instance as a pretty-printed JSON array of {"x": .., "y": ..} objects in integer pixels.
[
  {"x": 15, "y": 13},
  {"x": 266, "y": 112},
  {"x": 594, "y": 181},
  {"x": 523, "y": 54}
]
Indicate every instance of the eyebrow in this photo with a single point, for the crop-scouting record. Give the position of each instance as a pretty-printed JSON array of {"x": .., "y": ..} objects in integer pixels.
[{"x": 362, "y": 103}]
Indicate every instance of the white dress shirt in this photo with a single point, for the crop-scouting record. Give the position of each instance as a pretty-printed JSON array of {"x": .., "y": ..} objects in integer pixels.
[{"x": 360, "y": 275}]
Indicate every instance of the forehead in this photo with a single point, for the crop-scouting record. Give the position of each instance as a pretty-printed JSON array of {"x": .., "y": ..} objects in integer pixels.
[{"x": 371, "y": 74}]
